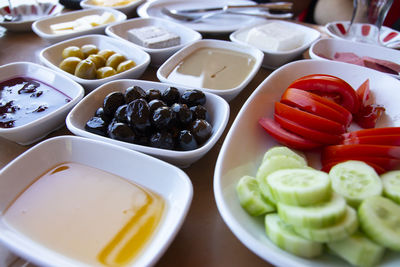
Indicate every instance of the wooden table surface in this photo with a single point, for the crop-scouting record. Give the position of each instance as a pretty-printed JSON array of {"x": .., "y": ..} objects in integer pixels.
[{"x": 204, "y": 239}]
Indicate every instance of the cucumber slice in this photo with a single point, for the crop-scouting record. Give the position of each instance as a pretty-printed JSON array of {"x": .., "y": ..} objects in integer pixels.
[
  {"x": 380, "y": 220},
  {"x": 391, "y": 185},
  {"x": 282, "y": 235},
  {"x": 250, "y": 197},
  {"x": 315, "y": 216},
  {"x": 339, "y": 231},
  {"x": 299, "y": 187},
  {"x": 285, "y": 151},
  {"x": 355, "y": 181},
  {"x": 358, "y": 250}
]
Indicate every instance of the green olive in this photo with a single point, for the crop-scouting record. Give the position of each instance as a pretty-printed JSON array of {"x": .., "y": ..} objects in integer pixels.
[
  {"x": 114, "y": 60},
  {"x": 69, "y": 64},
  {"x": 106, "y": 53},
  {"x": 125, "y": 65},
  {"x": 72, "y": 51},
  {"x": 105, "y": 72},
  {"x": 86, "y": 69},
  {"x": 98, "y": 60},
  {"x": 89, "y": 49}
]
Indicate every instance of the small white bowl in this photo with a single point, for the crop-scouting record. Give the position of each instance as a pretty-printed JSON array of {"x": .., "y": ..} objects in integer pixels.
[
  {"x": 326, "y": 49},
  {"x": 217, "y": 107},
  {"x": 31, "y": 132},
  {"x": 158, "y": 56},
  {"x": 52, "y": 56},
  {"x": 275, "y": 59},
  {"x": 247, "y": 142},
  {"x": 228, "y": 94},
  {"x": 126, "y": 9},
  {"x": 171, "y": 183},
  {"x": 42, "y": 27}
]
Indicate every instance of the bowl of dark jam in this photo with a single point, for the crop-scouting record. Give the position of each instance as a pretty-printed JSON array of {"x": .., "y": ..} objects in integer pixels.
[{"x": 34, "y": 101}]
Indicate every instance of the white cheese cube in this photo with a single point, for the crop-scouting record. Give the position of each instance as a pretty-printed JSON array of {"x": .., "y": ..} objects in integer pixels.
[{"x": 153, "y": 37}]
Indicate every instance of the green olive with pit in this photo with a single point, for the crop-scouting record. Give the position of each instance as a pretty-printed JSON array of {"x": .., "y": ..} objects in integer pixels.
[
  {"x": 89, "y": 49},
  {"x": 86, "y": 69},
  {"x": 69, "y": 64},
  {"x": 72, "y": 51},
  {"x": 106, "y": 53},
  {"x": 98, "y": 60},
  {"x": 105, "y": 72},
  {"x": 125, "y": 65},
  {"x": 114, "y": 60}
]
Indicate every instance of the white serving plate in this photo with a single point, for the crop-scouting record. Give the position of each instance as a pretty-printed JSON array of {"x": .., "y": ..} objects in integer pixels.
[
  {"x": 52, "y": 56},
  {"x": 158, "y": 56},
  {"x": 326, "y": 49},
  {"x": 160, "y": 177},
  {"x": 275, "y": 59},
  {"x": 39, "y": 128},
  {"x": 42, "y": 26},
  {"x": 217, "y": 107},
  {"x": 126, "y": 9},
  {"x": 227, "y": 94},
  {"x": 246, "y": 143}
]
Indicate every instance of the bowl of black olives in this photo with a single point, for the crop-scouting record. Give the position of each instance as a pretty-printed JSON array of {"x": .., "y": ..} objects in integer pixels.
[{"x": 176, "y": 124}]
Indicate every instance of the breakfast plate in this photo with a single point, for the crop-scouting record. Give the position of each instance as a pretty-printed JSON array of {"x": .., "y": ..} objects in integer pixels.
[
  {"x": 223, "y": 23},
  {"x": 246, "y": 143}
]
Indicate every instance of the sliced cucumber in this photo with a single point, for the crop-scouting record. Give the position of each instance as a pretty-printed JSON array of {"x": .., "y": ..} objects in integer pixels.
[
  {"x": 358, "y": 250},
  {"x": 314, "y": 216},
  {"x": 285, "y": 151},
  {"x": 339, "y": 231},
  {"x": 380, "y": 220},
  {"x": 355, "y": 181},
  {"x": 299, "y": 187},
  {"x": 283, "y": 236},
  {"x": 391, "y": 185},
  {"x": 250, "y": 197}
]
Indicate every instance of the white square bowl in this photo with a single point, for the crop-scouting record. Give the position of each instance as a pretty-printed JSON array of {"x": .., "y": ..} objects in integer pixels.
[
  {"x": 247, "y": 142},
  {"x": 227, "y": 94},
  {"x": 158, "y": 56},
  {"x": 52, "y": 56},
  {"x": 218, "y": 110},
  {"x": 171, "y": 183},
  {"x": 275, "y": 59},
  {"x": 126, "y": 9},
  {"x": 33, "y": 131},
  {"x": 42, "y": 26}
]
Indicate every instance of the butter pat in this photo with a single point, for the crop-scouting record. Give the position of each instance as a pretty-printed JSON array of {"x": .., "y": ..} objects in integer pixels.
[
  {"x": 153, "y": 37},
  {"x": 275, "y": 36}
]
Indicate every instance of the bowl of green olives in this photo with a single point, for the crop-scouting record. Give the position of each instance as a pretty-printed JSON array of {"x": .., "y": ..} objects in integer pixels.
[
  {"x": 175, "y": 124},
  {"x": 93, "y": 60}
]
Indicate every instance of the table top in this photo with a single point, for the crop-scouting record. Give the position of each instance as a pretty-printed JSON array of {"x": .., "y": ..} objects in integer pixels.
[{"x": 204, "y": 239}]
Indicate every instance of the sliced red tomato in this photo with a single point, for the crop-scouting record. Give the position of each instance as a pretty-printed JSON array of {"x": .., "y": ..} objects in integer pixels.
[
  {"x": 330, "y": 87},
  {"x": 373, "y": 132},
  {"x": 285, "y": 137},
  {"x": 307, "y": 133},
  {"x": 378, "y": 169},
  {"x": 309, "y": 120},
  {"x": 363, "y": 93},
  {"x": 348, "y": 151},
  {"x": 386, "y": 163},
  {"x": 390, "y": 140}
]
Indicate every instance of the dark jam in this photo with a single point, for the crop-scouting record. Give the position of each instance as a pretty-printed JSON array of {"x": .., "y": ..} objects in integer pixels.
[{"x": 23, "y": 100}]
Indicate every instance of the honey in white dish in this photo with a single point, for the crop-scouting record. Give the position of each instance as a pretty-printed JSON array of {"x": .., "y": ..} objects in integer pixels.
[
  {"x": 87, "y": 214},
  {"x": 213, "y": 68}
]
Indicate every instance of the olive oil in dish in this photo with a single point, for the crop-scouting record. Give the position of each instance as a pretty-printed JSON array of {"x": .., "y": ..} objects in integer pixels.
[
  {"x": 213, "y": 68},
  {"x": 87, "y": 214}
]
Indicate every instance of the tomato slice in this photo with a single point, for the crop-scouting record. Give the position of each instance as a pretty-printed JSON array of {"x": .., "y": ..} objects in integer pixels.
[
  {"x": 328, "y": 166},
  {"x": 307, "y": 101},
  {"x": 331, "y": 87},
  {"x": 363, "y": 93},
  {"x": 390, "y": 140},
  {"x": 386, "y": 163},
  {"x": 285, "y": 137},
  {"x": 373, "y": 132},
  {"x": 309, "y": 120},
  {"x": 348, "y": 151},
  {"x": 307, "y": 133}
]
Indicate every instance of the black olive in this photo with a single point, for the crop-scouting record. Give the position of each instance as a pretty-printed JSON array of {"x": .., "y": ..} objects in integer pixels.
[
  {"x": 193, "y": 97},
  {"x": 162, "y": 118},
  {"x": 186, "y": 141},
  {"x": 120, "y": 114},
  {"x": 152, "y": 94},
  {"x": 162, "y": 140},
  {"x": 183, "y": 114},
  {"x": 121, "y": 131},
  {"x": 201, "y": 130},
  {"x": 96, "y": 125},
  {"x": 112, "y": 101},
  {"x": 155, "y": 104},
  {"x": 142, "y": 140},
  {"x": 171, "y": 96},
  {"x": 138, "y": 114},
  {"x": 133, "y": 93},
  {"x": 100, "y": 113},
  {"x": 200, "y": 112}
]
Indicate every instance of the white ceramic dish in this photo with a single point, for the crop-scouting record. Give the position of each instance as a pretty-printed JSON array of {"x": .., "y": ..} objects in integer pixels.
[
  {"x": 52, "y": 56},
  {"x": 224, "y": 23},
  {"x": 30, "y": 13},
  {"x": 160, "y": 177},
  {"x": 326, "y": 49},
  {"x": 127, "y": 9},
  {"x": 246, "y": 143},
  {"x": 217, "y": 108},
  {"x": 39, "y": 128},
  {"x": 158, "y": 56},
  {"x": 275, "y": 59},
  {"x": 227, "y": 94},
  {"x": 42, "y": 27}
]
